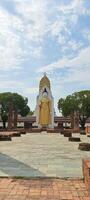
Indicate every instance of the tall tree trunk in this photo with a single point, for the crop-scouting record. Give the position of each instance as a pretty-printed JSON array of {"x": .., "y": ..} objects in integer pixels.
[
  {"x": 82, "y": 122},
  {"x": 15, "y": 118},
  {"x": 10, "y": 116},
  {"x": 4, "y": 124}
]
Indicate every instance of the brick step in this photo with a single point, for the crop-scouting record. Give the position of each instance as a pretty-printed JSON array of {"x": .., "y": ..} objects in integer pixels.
[
  {"x": 5, "y": 138},
  {"x": 16, "y": 134}
]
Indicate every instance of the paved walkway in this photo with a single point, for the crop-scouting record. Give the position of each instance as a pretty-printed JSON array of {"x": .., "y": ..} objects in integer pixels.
[
  {"x": 43, "y": 189},
  {"x": 41, "y": 155}
]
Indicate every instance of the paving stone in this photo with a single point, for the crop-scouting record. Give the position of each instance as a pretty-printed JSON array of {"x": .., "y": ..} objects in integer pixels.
[{"x": 41, "y": 155}]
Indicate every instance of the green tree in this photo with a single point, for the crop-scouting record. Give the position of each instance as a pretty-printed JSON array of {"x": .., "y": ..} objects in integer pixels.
[
  {"x": 31, "y": 113},
  {"x": 20, "y": 105},
  {"x": 79, "y": 101},
  {"x": 4, "y": 117}
]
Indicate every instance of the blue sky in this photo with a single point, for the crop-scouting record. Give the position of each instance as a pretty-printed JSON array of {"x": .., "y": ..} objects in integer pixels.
[{"x": 38, "y": 36}]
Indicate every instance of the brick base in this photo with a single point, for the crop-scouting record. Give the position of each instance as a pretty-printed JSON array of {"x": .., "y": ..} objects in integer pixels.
[
  {"x": 5, "y": 138},
  {"x": 67, "y": 134},
  {"x": 53, "y": 130}
]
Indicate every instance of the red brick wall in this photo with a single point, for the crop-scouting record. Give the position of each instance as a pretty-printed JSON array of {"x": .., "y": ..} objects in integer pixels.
[
  {"x": 86, "y": 172},
  {"x": 88, "y": 129}
]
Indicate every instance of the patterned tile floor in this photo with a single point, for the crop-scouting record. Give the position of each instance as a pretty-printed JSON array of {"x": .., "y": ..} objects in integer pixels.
[{"x": 43, "y": 189}]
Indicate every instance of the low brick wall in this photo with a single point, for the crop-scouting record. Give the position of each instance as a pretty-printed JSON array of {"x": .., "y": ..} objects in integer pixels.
[
  {"x": 87, "y": 130},
  {"x": 34, "y": 130},
  {"x": 53, "y": 130},
  {"x": 86, "y": 172}
]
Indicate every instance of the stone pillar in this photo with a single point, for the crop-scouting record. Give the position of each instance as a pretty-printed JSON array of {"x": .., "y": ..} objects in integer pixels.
[
  {"x": 10, "y": 115},
  {"x": 28, "y": 125},
  {"x": 75, "y": 120},
  {"x": 72, "y": 121},
  {"x": 60, "y": 125}
]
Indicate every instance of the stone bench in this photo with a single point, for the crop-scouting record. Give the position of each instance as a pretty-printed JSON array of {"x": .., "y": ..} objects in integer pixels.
[
  {"x": 86, "y": 172},
  {"x": 23, "y": 132},
  {"x": 65, "y": 131},
  {"x": 84, "y": 146},
  {"x": 74, "y": 139},
  {"x": 88, "y": 135}
]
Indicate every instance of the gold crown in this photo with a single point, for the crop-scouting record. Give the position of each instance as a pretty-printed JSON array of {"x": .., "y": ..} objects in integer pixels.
[{"x": 44, "y": 82}]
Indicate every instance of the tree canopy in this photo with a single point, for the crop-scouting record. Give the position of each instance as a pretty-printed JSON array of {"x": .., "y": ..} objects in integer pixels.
[
  {"x": 31, "y": 113},
  {"x": 78, "y": 101},
  {"x": 20, "y": 104}
]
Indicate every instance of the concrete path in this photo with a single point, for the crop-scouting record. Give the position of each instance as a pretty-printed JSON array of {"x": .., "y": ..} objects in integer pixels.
[{"x": 42, "y": 155}]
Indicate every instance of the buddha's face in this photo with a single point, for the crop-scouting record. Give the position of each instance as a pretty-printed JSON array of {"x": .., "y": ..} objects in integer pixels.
[{"x": 45, "y": 95}]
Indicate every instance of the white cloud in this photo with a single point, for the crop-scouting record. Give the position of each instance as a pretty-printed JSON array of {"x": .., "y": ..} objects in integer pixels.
[
  {"x": 86, "y": 34},
  {"x": 76, "y": 6},
  {"x": 17, "y": 34},
  {"x": 10, "y": 50},
  {"x": 57, "y": 27},
  {"x": 82, "y": 60},
  {"x": 10, "y": 84},
  {"x": 73, "y": 46},
  {"x": 34, "y": 16},
  {"x": 66, "y": 20},
  {"x": 22, "y": 36},
  {"x": 36, "y": 52},
  {"x": 31, "y": 90}
]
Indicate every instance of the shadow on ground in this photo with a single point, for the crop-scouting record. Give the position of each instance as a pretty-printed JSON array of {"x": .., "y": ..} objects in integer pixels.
[{"x": 14, "y": 168}]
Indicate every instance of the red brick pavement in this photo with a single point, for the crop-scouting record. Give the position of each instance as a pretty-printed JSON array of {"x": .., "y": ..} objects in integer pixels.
[{"x": 43, "y": 189}]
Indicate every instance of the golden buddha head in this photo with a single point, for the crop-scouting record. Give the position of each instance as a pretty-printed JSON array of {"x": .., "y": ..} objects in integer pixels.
[{"x": 45, "y": 94}]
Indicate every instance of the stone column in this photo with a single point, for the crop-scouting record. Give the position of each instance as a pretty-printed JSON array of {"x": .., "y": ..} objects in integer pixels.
[
  {"x": 60, "y": 125},
  {"x": 72, "y": 121},
  {"x": 27, "y": 125}
]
